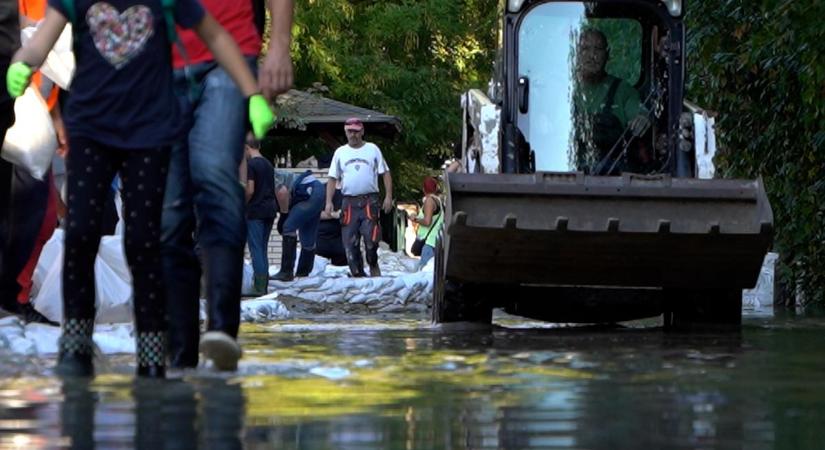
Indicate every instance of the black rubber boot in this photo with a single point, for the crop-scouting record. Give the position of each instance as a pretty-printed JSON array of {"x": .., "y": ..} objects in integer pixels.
[
  {"x": 76, "y": 349},
  {"x": 305, "y": 263},
  {"x": 290, "y": 247},
  {"x": 182, "y": 276},
  {"x": 151, "y": 354},
  {"x": 224, "y": 276}
]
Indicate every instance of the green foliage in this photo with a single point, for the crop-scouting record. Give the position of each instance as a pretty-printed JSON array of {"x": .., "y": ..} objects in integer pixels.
[
  {"x": 408, "y": 58},
  {"x": 625, "y": 37},
  {"x": 759, "y": 64},
  {"x": 754, "y": 61}
]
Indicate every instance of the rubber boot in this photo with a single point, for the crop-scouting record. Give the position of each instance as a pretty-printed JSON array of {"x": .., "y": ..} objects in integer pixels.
[
  {"x": 182, "y": 279},
  {"x": 221, "y": 349},
  {"x": 75, "y": 349},
  {"x": 260, "y": 284},
  {"x": 224, "y": 275},
  {"x": 305, "y": 263},
  {"x": 224, "y": 270},
  {"x": 151, "y": 354},
  {"x": 290, "y": 247},
  {"x": 375, "y": 271}
]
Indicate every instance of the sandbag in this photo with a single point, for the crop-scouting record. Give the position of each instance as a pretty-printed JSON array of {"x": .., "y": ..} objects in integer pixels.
[
  {"x": 59, "y": 65},
  {"x": 31, "y": 142},
  {"x": 113, "y": 281}
]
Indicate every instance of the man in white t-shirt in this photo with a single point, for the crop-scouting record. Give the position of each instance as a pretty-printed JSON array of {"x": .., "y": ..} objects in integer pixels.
[{"x": 356, "y": 166}]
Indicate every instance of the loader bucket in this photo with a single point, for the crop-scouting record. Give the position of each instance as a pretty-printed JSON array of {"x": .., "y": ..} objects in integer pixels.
[{"x": 571, "y": 229}]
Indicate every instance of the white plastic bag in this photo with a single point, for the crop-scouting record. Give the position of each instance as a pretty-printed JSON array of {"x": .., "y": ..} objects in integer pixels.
[
  {"x": 31, "y": 141},
  {"x": 59, "y": 64},
  {"x": 113, "y": 281}
]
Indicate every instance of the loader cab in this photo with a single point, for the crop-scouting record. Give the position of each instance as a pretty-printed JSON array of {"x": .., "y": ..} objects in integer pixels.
[{"x": 593, "y": 87}]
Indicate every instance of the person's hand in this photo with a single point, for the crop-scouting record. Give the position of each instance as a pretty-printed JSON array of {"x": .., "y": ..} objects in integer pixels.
[
  {"x": 329, "y": 208},
  {"x": 639, "y": 124},
  {"x": 387, "y": 204},
  {"x": 260, "y": 116},
  {"x": 275, "y": 73},
  {"x": 281, "y": 219},
  {"x": 17, "y": 78},
  {"x": 62, "y": 139}
]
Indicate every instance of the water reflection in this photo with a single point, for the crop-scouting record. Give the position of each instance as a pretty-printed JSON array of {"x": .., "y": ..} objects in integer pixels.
[{"x": 416, "y": 388}]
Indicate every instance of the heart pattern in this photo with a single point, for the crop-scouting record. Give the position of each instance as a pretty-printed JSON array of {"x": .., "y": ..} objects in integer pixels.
[{"x": 119, "y": 37}]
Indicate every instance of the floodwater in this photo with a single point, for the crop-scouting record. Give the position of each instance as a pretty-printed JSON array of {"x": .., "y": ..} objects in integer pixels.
[{"x": 398, "y": 383}]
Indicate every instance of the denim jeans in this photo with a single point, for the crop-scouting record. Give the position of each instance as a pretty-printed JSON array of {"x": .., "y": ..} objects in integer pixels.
[
  {"x": 204, "y": 198},
  {"x": 257, "y": 237},
  {"x": 426, "y": 254},
  {"x": 305, "y": 216}
]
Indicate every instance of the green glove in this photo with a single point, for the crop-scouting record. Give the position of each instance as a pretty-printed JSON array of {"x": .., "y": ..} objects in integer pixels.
[
  {"x": 17, "y": 78},
  {"x": 260, "y": 116}
]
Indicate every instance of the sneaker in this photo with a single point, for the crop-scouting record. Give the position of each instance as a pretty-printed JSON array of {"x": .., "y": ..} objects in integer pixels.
[{"x": 221, "y": 349}]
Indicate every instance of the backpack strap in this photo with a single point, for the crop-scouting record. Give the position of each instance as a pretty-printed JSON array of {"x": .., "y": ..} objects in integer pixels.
[
  {"x": 434, "y": 219},
  {"x": 169, "y": 17},
  {"x": 68, "y": 5}
]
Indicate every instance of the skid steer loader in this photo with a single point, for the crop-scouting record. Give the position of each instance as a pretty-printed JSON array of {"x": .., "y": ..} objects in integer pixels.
[{"x": 579, "y": 200}]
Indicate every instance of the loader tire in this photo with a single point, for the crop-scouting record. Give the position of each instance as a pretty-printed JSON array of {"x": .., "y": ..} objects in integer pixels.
[
  {"x": 455, "y": 301},
  {"x": 696, "y": 309}
]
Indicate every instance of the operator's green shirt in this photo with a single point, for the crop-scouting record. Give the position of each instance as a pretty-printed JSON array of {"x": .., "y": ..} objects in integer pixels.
[{"x": 591, "y": 99}]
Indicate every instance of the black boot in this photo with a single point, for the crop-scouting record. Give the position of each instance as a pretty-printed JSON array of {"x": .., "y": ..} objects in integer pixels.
[
  {"x": 305, "y": 263},
  {"x": 290, "y": 246},
  {"x": 151, "y": 354},
  {"x": 75, "y": 349},
  {"x": 224, "y": 276},
  {"x": 182, "y": 274}
]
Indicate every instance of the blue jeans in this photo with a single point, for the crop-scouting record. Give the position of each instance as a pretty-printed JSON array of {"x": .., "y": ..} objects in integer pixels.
[
  {"x": 204, "y": 201},
  {"x": 257, "y": 237},
  {"x": 426, "y": 254},
  {"x": 305, "y": 216}
]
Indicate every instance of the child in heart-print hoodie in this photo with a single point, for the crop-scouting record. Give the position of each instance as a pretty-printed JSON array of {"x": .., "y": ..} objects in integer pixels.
[{"x": 122, "y": 118}]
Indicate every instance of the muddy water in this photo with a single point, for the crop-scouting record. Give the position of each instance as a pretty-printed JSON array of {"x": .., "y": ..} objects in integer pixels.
[{"x": 397, "y": 383}]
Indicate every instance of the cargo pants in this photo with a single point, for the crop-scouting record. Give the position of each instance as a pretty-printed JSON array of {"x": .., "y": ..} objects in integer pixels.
[{"x": 359, "y": 218}]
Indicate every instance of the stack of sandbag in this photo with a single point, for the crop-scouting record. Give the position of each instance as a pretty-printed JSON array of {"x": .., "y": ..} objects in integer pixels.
[
  {"x": 113, "y": 282},
  {"x": 400, "y": 287}
]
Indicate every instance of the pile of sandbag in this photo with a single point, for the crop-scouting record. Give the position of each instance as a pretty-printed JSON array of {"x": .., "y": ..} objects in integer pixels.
[
  {"x": 400, "y": 288},
  {"x": 113, "y": 283}
]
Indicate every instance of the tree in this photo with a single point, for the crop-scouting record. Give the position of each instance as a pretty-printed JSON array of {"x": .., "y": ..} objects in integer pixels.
[
  {"x": 759, "y": 64},
  {"x": 408, "y": 58}
]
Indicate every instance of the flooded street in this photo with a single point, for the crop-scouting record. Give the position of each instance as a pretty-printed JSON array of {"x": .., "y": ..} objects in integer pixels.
[{"x": 397, "y": 383}]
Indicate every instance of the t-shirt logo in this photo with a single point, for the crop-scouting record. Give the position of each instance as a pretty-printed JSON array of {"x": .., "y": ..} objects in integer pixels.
[
  {"x": 119, "y": 37},
  {"x": 357, "y": 167}
]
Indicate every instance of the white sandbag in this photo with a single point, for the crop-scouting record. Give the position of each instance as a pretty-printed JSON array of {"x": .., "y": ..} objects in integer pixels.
[
  {"x": 47, "y": 281},
  {"x": 247, "y": 279},
  {"x": 59, "y": 64},
  {"x": 31, "y": 142},
  {"x": 705, "y": 145},
  {"x": 113, "y": 281}
]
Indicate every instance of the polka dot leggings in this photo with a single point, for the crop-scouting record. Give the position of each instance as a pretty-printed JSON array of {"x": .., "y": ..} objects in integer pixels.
[{"x": 91, "y": 168}]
